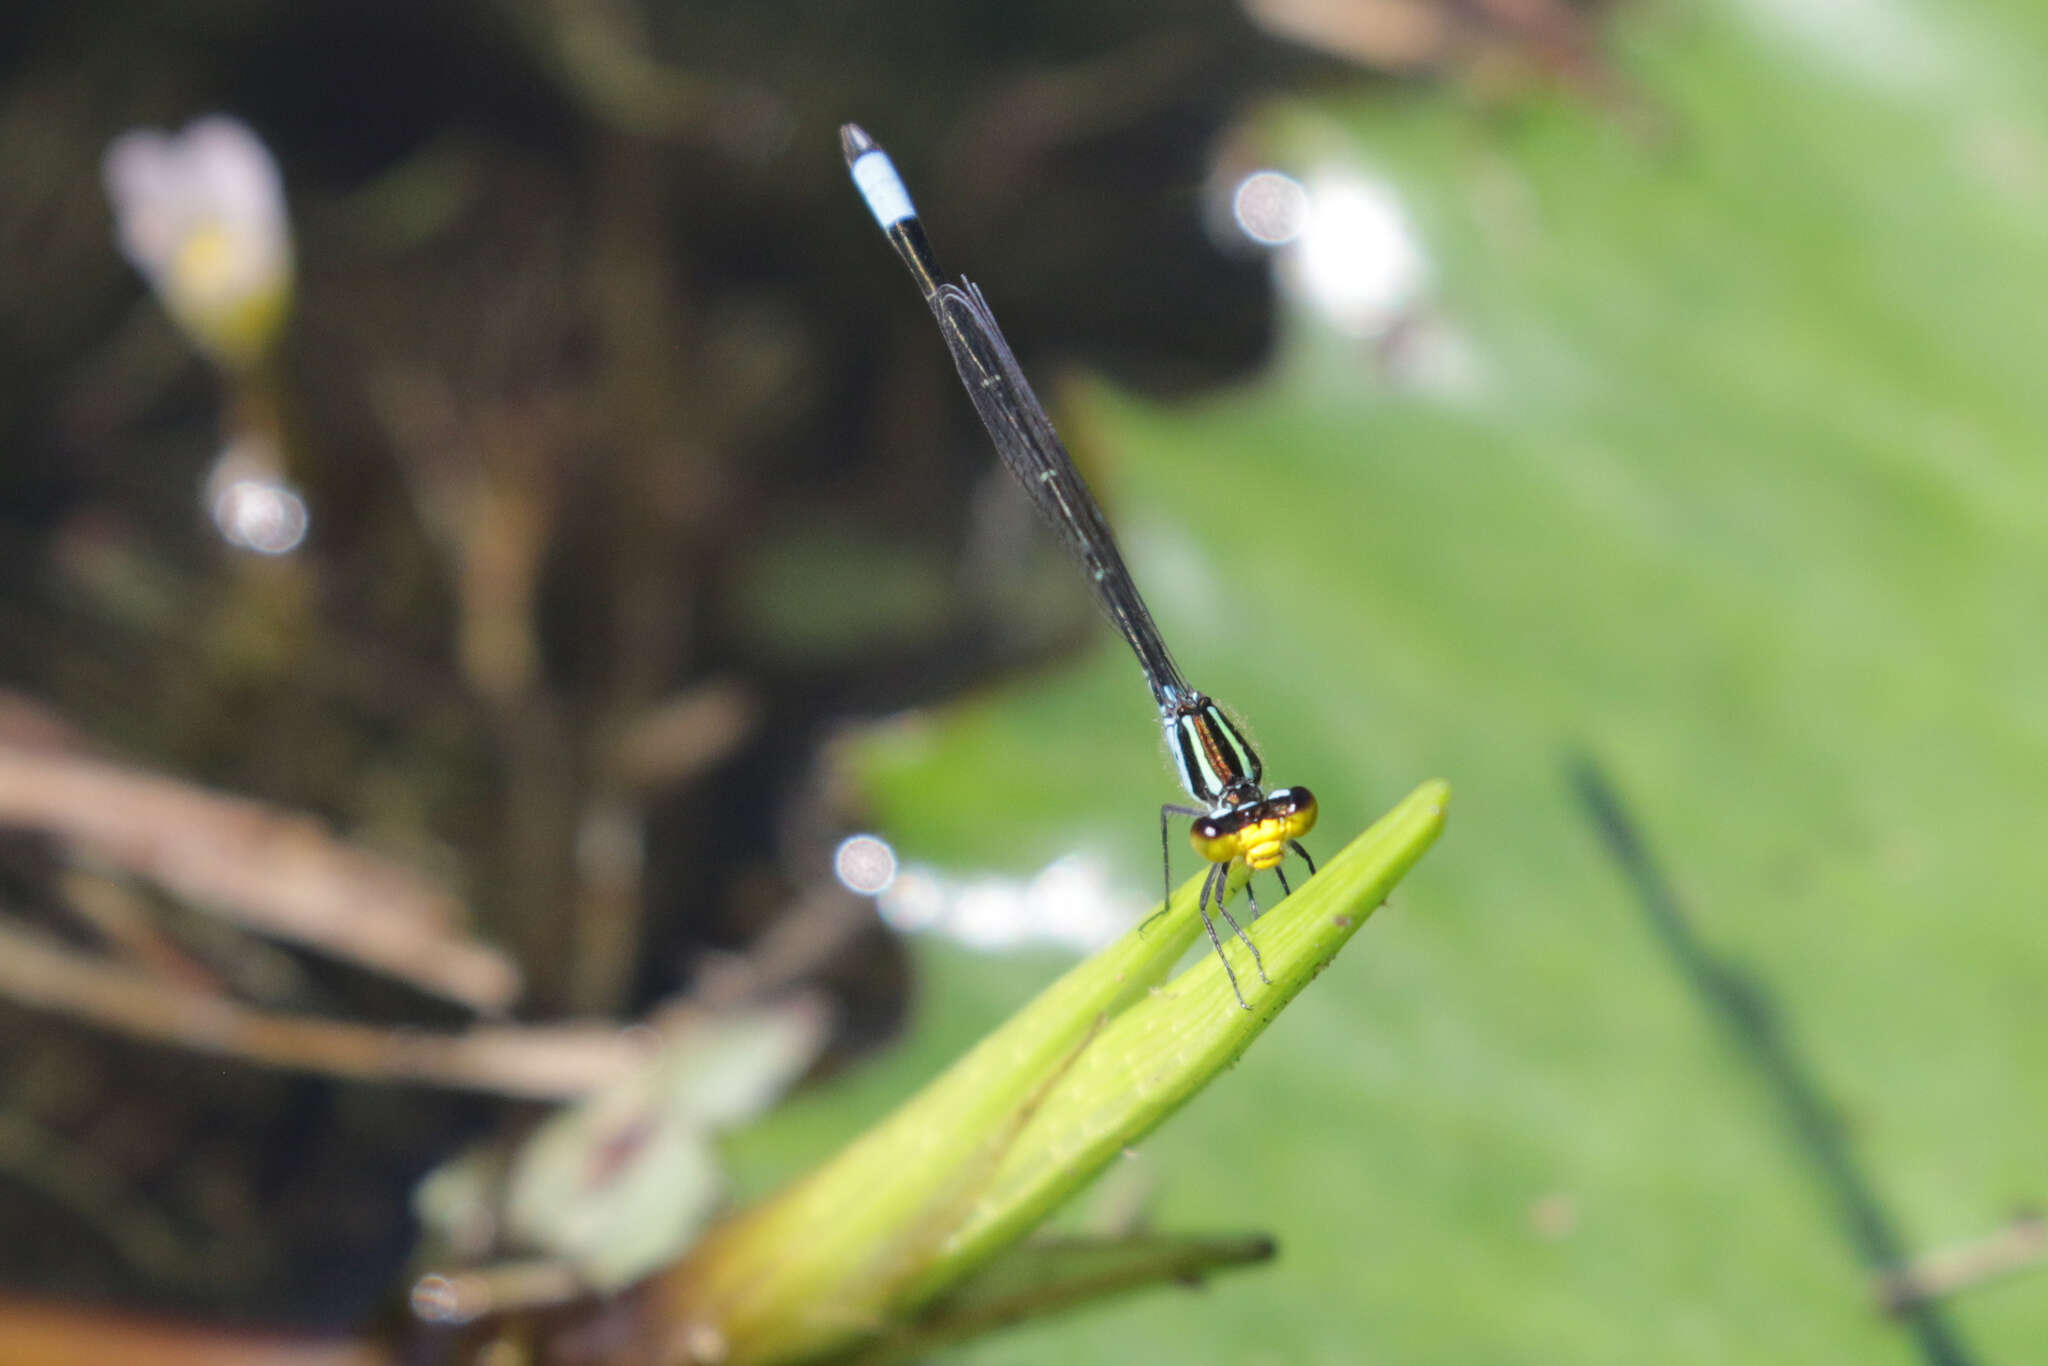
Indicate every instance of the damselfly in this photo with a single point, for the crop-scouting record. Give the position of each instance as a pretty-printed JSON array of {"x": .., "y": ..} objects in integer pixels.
[{"x": 1238, "y": 821}]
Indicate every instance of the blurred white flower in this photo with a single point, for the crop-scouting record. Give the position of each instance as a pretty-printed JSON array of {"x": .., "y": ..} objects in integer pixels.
[{"x": 202, "y": 215}]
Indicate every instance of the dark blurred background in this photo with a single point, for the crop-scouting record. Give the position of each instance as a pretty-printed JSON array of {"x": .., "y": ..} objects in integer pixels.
[{"x": 598, "y": 394}]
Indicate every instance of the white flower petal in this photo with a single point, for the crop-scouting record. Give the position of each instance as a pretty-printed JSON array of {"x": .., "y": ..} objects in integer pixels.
[{"x": 201, "y": 214}]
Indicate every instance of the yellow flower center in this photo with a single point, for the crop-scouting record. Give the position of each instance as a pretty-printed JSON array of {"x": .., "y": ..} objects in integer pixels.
[{"x": 204, "y": 266}]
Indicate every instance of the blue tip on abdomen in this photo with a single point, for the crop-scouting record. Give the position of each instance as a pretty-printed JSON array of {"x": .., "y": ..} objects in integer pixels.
[{"x": 875, "y": 176}]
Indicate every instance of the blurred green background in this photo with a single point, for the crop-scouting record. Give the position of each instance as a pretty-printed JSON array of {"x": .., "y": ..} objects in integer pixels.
[
  {"x": 1726, "y": 493},
  {"x": 1746, "y": 502}
]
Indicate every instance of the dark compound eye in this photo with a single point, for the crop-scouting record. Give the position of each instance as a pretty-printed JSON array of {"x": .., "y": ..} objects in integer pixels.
[{"x": 1208, "y": 828}]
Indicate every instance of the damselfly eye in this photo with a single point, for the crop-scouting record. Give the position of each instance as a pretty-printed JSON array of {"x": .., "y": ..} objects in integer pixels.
[
  {"x": 1299, "y": 812},
  {"x": 1292, "y": 801},
  {"x": 1214, "y": 839}
]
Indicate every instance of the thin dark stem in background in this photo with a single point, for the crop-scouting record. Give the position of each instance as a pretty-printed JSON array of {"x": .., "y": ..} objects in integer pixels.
[{"x": 1744, "y": 1008}]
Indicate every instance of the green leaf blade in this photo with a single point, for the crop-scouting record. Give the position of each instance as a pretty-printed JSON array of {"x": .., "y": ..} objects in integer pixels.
[{"x": 970, "y": 1164}]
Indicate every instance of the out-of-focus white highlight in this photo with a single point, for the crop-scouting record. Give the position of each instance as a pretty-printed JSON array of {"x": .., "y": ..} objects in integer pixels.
[
  {"x": 1356, "y": 260},
  {"x": 1070, "y": 903},
  {"x": 1269, "y": 207},
  {"x": 201, "y": 214},
  {"x": 1345, "y": 249},
  {"x": 1887, "y": 44},
  {"x": 252, "y": 506},
  {"x": 865, "y": 864}
]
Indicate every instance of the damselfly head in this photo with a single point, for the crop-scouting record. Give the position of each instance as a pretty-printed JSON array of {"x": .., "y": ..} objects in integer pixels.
[{"x": 1257, "y": 831}]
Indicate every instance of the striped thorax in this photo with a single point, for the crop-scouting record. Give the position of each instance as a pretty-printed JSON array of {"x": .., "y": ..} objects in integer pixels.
[{"x": 1217, "y": 765}]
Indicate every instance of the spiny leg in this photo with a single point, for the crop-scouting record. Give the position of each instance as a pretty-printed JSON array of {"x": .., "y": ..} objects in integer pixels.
[
  {"x": 1295, "y": 845},
  {"x": 1166, "y": 812},
  {"x": 1213, "y": 882},
  {"x": 1281, "y": 873},
  {"x": 1223, "y": 887}
]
